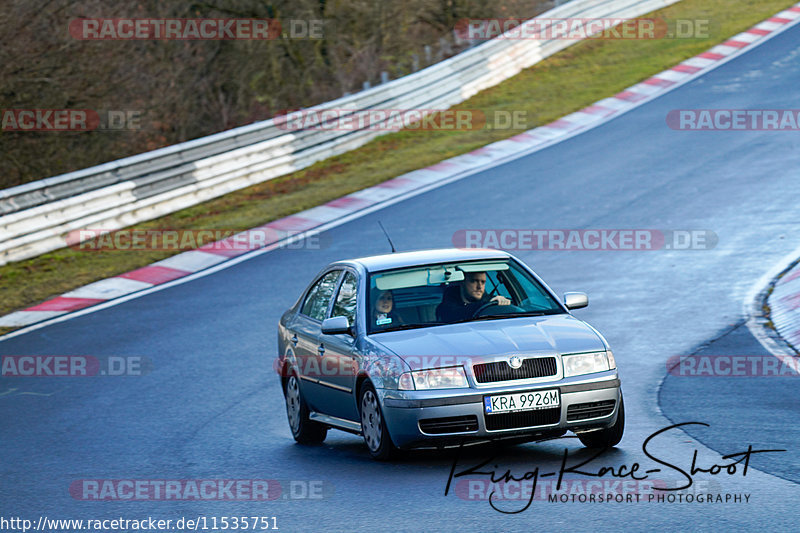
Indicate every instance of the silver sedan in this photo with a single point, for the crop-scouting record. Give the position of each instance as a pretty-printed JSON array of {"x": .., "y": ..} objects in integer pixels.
[{"x": 441, "y": 347}]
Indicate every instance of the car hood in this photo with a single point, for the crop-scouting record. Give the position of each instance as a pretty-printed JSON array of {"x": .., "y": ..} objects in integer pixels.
[{"x": 434, "y": 346}]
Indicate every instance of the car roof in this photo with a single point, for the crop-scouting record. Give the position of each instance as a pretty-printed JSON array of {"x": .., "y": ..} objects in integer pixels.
[{"x": 377, "y": 263}]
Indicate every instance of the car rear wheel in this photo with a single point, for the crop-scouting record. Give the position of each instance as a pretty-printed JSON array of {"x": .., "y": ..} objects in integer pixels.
[
  {"x": 606, "y": 438},
  {"x": 373, "y": 425},
  {"x": 304, "y": 430}
]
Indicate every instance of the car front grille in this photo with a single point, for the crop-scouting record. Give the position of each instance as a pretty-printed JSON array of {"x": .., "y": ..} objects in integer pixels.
[
  {"x": 583, "y": 411},
  {"x": 537, "y": 367},
  {"x": 523, "y": 419},
  {"x": 450, "y": 424}
]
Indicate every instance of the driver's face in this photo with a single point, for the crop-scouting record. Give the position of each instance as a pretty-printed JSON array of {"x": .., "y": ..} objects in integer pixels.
[{"x": 474, "y": 285}]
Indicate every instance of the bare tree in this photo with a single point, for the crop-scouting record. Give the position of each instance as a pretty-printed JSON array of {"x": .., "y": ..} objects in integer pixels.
[{"x": 184, "y": 89}]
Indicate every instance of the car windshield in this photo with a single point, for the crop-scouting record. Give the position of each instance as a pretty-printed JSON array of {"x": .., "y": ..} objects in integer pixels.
[{"x": 431, "y": 295}]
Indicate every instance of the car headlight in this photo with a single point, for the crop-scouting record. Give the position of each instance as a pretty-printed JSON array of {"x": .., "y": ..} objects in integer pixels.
[
  {"x": 452, "y": 377},
  {"x": 577, "y": 364}
]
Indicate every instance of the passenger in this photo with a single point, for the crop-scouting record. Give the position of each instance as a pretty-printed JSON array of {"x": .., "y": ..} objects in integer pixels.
[
  {"x": 383, "y": 314},
  {"x": 462, "y": 300}
]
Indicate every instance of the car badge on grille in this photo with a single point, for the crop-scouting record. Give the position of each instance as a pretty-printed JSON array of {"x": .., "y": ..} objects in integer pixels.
[{"x": 515, "y": 362}]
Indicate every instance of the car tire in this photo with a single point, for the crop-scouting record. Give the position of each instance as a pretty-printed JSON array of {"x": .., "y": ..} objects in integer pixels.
[
  {"x": 373, "y": 425},
  {"x": 304, "y": 430},
  {"x": 608, "y": 437}
]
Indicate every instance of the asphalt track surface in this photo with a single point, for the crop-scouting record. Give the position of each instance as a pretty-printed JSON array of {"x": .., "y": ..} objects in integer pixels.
[{"x": 211, "y": 407}]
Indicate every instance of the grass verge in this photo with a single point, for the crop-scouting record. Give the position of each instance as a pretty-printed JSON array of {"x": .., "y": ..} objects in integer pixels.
[{"x": 566, "y": 82}]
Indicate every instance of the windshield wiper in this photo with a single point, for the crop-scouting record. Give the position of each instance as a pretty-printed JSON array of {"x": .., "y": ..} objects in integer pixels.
[
  {"x": 400, "y": 327},
  {"x": 511, "y": 315}
]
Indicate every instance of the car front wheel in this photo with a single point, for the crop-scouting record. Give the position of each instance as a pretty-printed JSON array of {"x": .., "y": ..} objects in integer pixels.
[
  {"x": 606, "y": 438},
  {"x": 304, "y": 430},
  {"x": 373, "y": 425}
]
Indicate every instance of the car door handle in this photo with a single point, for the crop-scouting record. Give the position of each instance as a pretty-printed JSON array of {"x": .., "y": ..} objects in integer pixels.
[
  {"x": 294, "y": 339},
  {"x": 321, "y": 350}
]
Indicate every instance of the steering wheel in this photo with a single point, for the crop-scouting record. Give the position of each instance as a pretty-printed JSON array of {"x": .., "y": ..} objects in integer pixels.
[{"x": 510, "y": 308}]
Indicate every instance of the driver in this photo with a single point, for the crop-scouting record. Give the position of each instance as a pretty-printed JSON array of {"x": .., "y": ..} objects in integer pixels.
[{"x": 461, "y": 301}]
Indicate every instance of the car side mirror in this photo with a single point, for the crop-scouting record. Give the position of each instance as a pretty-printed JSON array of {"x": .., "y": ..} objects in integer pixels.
[
  {"x": 336, "y": 325},
  {"x": 575, "y": 300}
]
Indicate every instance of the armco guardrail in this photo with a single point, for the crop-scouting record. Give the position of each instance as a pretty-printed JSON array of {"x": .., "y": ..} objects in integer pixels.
[{"x": 36, "y": 217}]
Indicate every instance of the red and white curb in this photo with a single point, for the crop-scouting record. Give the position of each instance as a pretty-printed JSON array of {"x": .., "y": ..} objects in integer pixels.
[
  {"x": 366, "y": 200},
  {"x": 784, "y": 306}
]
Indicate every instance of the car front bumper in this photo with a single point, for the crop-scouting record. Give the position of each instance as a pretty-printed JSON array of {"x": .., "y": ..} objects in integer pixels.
[{"x": 448, "y": 417}]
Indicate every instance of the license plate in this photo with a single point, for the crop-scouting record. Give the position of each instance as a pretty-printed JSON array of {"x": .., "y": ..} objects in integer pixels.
[{"x": 521, "y": 401}]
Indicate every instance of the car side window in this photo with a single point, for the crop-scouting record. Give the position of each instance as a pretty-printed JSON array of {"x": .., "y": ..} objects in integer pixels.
[
  {"x": 345, "y": 304},
  {"x": 319, "y": 296}
]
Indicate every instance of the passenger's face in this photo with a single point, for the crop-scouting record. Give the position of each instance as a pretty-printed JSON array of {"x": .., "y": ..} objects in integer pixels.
[
  {"x": 385, "y": 302},
  {"x": 474, "y": 285}
]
